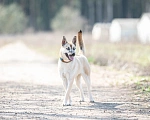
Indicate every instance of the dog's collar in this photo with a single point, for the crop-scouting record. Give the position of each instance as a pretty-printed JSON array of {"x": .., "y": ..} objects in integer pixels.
[{"x": 62, "y": 60}]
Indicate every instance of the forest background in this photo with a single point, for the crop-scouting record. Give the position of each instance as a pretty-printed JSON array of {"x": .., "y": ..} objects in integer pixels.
[{"x": 53, "y": 15}]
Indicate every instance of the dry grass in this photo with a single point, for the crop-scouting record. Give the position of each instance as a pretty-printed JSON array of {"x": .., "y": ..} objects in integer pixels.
[
  {"x": 130, "y": 52},
  {"x": 129, "y": 56}
]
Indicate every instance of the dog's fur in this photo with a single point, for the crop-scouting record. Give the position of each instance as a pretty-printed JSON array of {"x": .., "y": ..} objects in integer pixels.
[{"x": 72, "y": 67}]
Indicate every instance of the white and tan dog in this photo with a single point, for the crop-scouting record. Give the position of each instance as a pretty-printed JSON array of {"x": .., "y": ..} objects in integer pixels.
[{"x": 72, "y": 67}]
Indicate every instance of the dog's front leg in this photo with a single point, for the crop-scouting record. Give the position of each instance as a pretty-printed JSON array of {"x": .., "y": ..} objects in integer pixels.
[
  {"x": 65, "y": 83},
  {"x": 66, "y": 101}
]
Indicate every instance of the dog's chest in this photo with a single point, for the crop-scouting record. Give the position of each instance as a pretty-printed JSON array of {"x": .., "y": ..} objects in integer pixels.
[
  {"x": 66, "y": 68},
  {"x": 69, "y": 69}
]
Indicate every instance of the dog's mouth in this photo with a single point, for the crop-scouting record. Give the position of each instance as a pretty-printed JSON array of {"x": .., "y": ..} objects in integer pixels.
[{"x": 70, "y": 57}]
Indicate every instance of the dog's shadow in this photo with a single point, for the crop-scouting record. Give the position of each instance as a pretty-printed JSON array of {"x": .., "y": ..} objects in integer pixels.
[{"x": 105, "y": 105}]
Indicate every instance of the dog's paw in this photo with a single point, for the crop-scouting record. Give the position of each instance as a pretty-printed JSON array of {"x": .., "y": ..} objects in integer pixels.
[
  {"x": 81, "y": 101},
  {"x": 92, "y": 101},
  {"x": 66, "y": 104}
]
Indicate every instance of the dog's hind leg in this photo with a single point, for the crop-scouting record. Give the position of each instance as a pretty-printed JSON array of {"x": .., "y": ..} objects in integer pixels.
[
  {"x": 79, "y": 85},
  {"x": 88, "y": 83}
]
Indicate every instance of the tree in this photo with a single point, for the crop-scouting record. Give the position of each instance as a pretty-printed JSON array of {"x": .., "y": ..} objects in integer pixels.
[{"x": 98, "y": 11}]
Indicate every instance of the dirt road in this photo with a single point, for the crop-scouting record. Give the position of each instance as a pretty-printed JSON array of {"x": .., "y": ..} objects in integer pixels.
[{"x": 30, "y": 88}]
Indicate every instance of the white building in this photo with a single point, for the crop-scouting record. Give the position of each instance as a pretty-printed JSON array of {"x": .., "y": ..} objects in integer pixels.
[
  {"x": 123, "y": 29},
  {"x": 100, "y": 31},
  {"x": 143, "y": 28}
]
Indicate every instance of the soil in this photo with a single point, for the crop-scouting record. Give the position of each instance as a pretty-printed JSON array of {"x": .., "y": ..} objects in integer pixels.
[{"x": 30, "y": 88}]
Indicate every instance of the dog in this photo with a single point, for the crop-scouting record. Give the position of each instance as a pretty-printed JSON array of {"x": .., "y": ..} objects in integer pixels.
[{"x": 72, "y": 66}]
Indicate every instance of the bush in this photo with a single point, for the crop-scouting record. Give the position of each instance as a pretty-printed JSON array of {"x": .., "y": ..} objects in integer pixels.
[
  {"x": 68, "y": 19},
  {"x": 12, "y": 19}
]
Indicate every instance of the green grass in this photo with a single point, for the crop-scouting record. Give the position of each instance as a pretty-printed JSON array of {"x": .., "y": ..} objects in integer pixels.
[
  {"x": 91, "y": 59},
  {"x": 147, "y": 89},
  {"x": 142, "y": 83}
]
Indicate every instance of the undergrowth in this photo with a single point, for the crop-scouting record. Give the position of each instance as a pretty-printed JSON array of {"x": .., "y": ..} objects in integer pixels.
[{"x": 142, "y": 83}]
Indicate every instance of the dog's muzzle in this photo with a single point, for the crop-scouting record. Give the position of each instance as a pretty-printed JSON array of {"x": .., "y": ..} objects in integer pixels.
[
  {"x": 70, "y": 57},
  {"x": 73, "y": 54}
]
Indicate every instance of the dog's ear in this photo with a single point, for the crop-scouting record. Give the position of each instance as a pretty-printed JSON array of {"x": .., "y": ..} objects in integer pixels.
[
  {"x": 74, "y": 40},
  {"x": 64, "y": 41}
]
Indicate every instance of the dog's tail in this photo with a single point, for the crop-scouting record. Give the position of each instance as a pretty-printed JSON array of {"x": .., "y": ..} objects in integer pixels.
[{"x": 81, "y": 43}]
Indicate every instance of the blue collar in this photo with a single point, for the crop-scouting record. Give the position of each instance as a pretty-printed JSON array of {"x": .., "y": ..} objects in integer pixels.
[{"x": 64, "y": 61}]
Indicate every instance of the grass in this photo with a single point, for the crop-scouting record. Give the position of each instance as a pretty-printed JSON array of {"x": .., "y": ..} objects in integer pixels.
[
  {"x": 129, "y": 52},
  {"x": 142, "y": 84}
]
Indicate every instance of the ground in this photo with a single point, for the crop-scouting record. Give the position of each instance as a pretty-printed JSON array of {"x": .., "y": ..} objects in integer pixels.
[{"x": 30, "y": 88}]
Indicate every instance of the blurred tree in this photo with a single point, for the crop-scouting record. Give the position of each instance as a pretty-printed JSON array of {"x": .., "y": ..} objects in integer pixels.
[
  {"x": 109, "y": 13},
  {"x": 12, "y": 19},
  {"x": 40, "y": 12},
  {"x": 91, "y": 12},
  {"x": 124, "y": 11},
  {"x": 67, "y": 19},
  {"x": 99, "y": 11}
]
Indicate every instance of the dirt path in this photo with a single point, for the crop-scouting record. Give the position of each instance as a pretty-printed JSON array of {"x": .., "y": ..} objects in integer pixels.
[{"x": 30, "y": 88}]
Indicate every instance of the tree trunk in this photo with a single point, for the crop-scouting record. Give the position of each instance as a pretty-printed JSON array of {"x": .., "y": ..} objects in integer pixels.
[
  {"x": 33, "y": 14},
  {"x": 91, "y": 12},
  {"x": 45, "y": 14},
  {"x": 124, "y": 8},
  {"x": 109, "y": 7},
  {"x": 84, "y": 9},
  {"x": 99, "y": 11}
]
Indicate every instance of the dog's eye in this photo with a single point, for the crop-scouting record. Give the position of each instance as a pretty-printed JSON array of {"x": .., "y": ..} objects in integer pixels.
[
  {"x": 68, "y": 48},
  {"x": 74, "y": 48}
]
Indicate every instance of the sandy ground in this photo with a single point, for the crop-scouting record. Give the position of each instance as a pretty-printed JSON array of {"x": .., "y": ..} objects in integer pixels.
[{"x": 30, "y": 88}]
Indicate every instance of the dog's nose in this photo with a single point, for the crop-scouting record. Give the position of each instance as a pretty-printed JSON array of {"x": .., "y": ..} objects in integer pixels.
[{"x": 73, "y": 54}]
